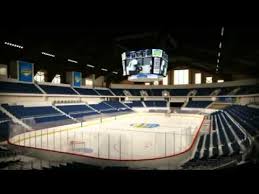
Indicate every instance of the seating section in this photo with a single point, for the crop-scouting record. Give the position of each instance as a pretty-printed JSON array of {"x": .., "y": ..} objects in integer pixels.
[
  {"x": 227, "y": 137},
  {"x": 198, "y": 104},
  {"x": 4, "y": 128},
  {"x": 102, "y": 107},
  {"x": 104, "y": 92},
  {"x": 135, "y": 92},
  {"x": 134, "y": 104},
  {"x": 26, "y": 112},
  {"x": 247, "y": 117},
  {"x": 157, "y": 92},
  {"x": 117, "y": 105},
  {"x": 3, "y": 116},
  {"x": 86, "y": 91},
  {"x": 77, "y": 111},
  {"x": 118, "y": 92},
  {"x": 39, "y": 117},
  {"x": 179, "y": 92},
  {"x": 58, "y": 90},
  {"x": 156, "y": 103},
  {"x": 225, "y": 91},
  {"x": 204, "y": 91},
  {"x": 11, "y": 87},
  {"x": 248, "y": 90}
]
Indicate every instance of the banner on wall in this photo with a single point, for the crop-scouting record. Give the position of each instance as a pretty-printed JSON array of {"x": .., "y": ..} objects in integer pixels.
[
  {"x": 25, "y": 71},
  {"x": 77, "y": 79}
]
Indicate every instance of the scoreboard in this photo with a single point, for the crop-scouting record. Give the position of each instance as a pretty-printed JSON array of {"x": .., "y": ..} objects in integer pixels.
[{"x": 145, "y": 65}]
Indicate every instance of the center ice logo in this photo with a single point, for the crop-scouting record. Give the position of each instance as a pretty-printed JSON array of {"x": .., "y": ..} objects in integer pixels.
[{"x": 144, "y": 125}]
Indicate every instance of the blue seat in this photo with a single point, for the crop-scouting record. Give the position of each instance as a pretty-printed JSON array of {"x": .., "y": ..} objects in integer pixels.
[
  {"x": 179, "y": 92},
  {"x": 134, "y": 104},
  {"x": 25, "y": 112},
  {"x": 58, "y": 90},
  {"x": 4, "y": 129},
  {"x": 215, "y": 152},
  {"x": 207, "y": 142},
  {"x": 104, "y": 92},
  {"x": 17, "y": 87},
  {"x": 86, "y": 91},
  {"x": 225, "y": 150},
  {"x": 204, "y": 91},
  {"x": 215, "y": 140},
  {"x": 118, "y": 92},
  {"x": 198, "y": 104},
  {"x": 74, "y": 108}
]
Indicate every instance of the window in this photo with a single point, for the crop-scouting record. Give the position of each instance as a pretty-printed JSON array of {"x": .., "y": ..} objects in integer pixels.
[
  {"x": 40, "y": 76},
  {"x": 88, "y": 82},
  {"x": 156, "y": 83},
  {"x": 220, "y": 81},
  {"x": 3, "y": 71},
  {"x": 197, "y": 78},
  {"x": 56, "y": 79},
  {"x": 165, "y": 80},
  {"x": 181, "y": 77},
  {"x": 208, "y": 80}
]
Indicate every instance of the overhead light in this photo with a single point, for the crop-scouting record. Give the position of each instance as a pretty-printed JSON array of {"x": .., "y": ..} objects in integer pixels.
[
  {"x": 88, "y": 65},
  {"x": 217, "y": 60},
  {"x": 47, "y": 54},
  {"x": 13, "y": 45},
  {"x": 104, "y": 69},
  {"x": 115, "y": 72},
  {"x": 72, "y": 61},
  {"x": 222, "y": 31},
  {"x": 218, "y": 54},
  {"x": 220, "y": 45}
]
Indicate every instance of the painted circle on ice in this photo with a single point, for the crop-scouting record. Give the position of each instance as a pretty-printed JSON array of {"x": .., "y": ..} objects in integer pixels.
[{"x": 144, "y": 125}]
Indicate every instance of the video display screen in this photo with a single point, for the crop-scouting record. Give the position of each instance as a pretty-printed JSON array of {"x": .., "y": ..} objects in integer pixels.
[{"x": 148, "y": 61}]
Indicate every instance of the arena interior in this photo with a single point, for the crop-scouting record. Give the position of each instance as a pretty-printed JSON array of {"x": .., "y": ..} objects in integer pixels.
[{"x": 84, "y": 99}]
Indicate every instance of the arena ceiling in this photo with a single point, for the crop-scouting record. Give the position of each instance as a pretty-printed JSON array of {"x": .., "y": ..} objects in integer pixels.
[{"x": 187, "y": 45}]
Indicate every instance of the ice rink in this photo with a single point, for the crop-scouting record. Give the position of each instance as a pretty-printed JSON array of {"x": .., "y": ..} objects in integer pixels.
[{"x": 128, "y": 137}]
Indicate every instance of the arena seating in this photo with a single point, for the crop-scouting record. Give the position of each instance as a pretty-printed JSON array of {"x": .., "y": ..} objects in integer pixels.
[
  {"x": 104, "y": 92},
  {"x": 18, "y": 87},
  {"x": 77, "y": 111},
  {"x": 248, "y": 90},
  {"x": 204, "y": 91},
  {"x": 135, "y": 92},
  {"x": 117, "y": 105},
  {"x": 39, "y": 117},
  {"x": 3, "y": 116},
  {"x": 118, "y": 92},
  {"x": 24, "y": 112},
  {"x": 4, "y": 128},
  {"x": 134, "y": 104},
  {"x": 226, "y": 138},
  {"x": 58, "y": 90},
  {"x": 247, "y": 117},
  {"x": 198, "y": 104},
  {"x": 155, "y": 103},
  {"x": 225, "y": 90},
  {"x": 102, "y": 107},
  {"x": 157, "y": 92},
  {"x": 179, "y": 92},
  {"x": 86, "y": 91}
]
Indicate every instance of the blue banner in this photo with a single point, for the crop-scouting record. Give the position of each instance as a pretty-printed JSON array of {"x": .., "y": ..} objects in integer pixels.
[
  {"x": 77, "y": 79},
  {"x": 25, "y": 71}
]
